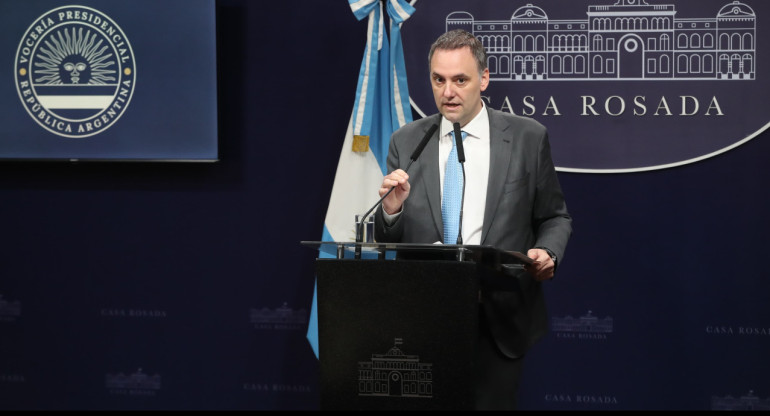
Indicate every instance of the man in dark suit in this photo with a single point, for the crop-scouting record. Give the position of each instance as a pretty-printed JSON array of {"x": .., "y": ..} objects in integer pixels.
[{"x": 513, "y": 201}]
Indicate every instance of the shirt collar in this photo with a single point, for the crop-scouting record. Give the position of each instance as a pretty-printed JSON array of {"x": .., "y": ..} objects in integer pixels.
[{"x": 475, "y": 128}]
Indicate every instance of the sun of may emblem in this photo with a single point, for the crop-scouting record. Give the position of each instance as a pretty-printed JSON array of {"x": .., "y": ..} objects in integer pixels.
[{"x": 75, "y": 71}]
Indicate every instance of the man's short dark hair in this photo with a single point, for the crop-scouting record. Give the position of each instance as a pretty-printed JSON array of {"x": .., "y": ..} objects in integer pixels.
[{"x": 457, "y": 39}]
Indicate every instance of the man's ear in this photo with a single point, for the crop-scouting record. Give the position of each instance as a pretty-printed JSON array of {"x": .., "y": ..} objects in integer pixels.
[{"x": 484, "y": 79}]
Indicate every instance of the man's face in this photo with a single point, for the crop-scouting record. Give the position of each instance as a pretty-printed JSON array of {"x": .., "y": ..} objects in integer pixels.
[{"x": 456, "y": 84}]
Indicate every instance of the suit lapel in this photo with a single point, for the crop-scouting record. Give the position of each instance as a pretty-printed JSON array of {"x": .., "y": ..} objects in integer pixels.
[
  {"x": 429, "y": 159},
  {"x": 500, "y": 153}
]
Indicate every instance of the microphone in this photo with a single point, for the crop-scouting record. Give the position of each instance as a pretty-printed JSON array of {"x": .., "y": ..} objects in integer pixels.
[
  {"x": 461, "y": 159},
  {"x": 417, "y": 151},
  {"x": 423, "y": 143},
  {"x": 459, "y": 141}
]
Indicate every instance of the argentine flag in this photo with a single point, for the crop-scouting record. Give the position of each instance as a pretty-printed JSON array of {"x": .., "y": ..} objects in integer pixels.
[{"x": 380, "y": 108}]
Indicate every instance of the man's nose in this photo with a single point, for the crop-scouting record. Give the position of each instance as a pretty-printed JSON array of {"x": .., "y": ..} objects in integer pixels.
[{"x": 448, "y": 90}]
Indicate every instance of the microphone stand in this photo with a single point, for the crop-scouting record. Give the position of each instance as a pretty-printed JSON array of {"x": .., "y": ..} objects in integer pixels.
[
  {"x": 461, "y": 251},
  {"x": 461, "y": 159},
  {"x": 360, "y": 228},
  {"x": 412, "y": 158}
]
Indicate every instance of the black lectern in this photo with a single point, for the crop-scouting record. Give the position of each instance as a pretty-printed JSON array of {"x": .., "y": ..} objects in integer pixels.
[{"x": 399, "y": 334}]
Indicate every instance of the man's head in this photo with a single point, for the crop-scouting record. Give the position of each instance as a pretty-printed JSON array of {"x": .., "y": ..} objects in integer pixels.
[{"x": 458, "y": 74}]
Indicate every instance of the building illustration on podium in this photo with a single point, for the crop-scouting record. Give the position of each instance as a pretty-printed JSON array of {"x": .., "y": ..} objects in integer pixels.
[
  {"x": 395, "y": 374},
  {"x": 629, "y": 40}
]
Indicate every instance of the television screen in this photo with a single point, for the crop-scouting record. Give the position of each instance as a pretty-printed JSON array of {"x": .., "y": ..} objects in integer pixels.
[{"x": 107, "y": 80}]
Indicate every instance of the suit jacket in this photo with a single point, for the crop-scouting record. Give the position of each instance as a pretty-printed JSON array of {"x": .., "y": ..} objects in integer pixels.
[{"x": 525, "y": 208}]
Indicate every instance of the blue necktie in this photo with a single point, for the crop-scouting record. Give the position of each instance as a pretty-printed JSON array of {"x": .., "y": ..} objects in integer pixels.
[{"x": 452, "y": 200}]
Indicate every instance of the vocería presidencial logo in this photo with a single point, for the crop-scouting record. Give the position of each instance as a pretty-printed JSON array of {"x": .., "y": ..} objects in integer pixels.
[{"x": 75, "y": 71}]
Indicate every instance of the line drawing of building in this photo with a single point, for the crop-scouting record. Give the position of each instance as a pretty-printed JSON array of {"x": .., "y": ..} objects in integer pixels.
[
  {"x": 586, "y": 323},
  {"x": 9, "y": 308},
  {"x": 395, "y": 374},
  {"x": 747, "y": 402},
  {"x": 137, "y": 380},
  {"x": 628, "y": 40},
  {"x": 281, "y": 315}
]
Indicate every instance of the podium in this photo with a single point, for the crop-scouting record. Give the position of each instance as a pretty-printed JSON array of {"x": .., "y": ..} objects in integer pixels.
[{"x": 397, "y": 329}]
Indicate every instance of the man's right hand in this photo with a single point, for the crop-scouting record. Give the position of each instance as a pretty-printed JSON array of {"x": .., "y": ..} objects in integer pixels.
[{"x": 395, "y": 201}]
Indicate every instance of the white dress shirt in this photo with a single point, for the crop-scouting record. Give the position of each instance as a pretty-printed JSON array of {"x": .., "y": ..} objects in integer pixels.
[{"x": 476, "y": 148}]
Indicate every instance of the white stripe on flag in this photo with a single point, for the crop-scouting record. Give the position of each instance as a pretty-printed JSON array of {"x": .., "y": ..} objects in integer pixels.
[
  {"x": 358, "y": 5},
  {"x": 355, "y": 189},
  {"x": 397, "y": 97},
  {"x": 381, "y": 28},
  {"x": 400, "y": 10},
  {"x": 359, "y": 117}
]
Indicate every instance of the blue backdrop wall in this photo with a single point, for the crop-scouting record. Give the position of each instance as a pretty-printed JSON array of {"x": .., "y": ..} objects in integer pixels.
[{"x": 184, "y": 286}]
